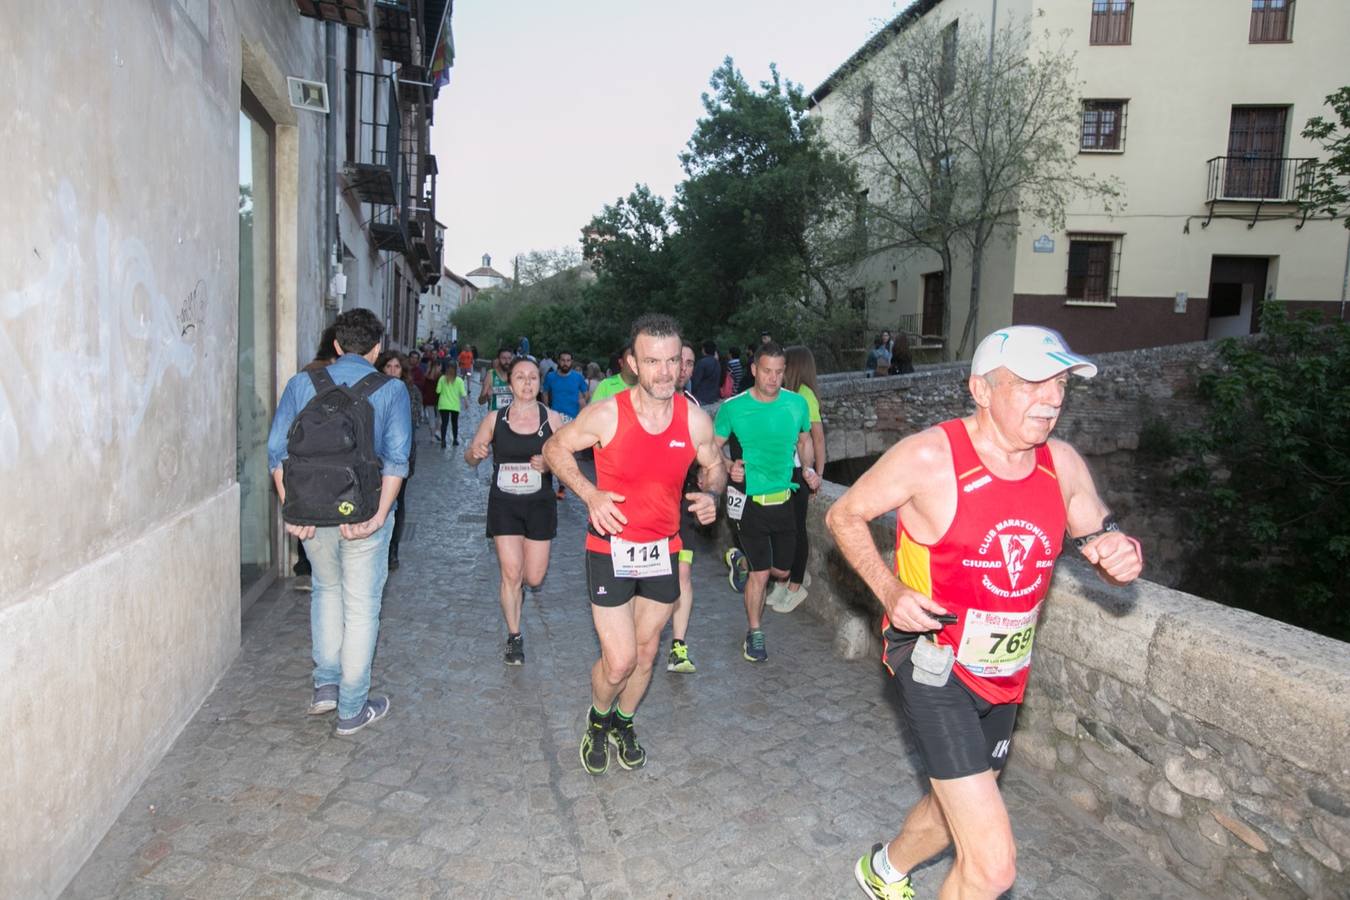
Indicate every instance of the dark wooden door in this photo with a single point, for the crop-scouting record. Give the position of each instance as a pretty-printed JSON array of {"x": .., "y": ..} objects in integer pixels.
[
  {"x": 933, "y": 320},
  {"x": 1255, "y": 145}
]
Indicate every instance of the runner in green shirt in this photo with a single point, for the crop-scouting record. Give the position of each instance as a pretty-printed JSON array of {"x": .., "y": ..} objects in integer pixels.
[
  {"x": 769, "y": 424},
  {"x": 496, "y": 392},
  {"x": 450, "y": 391},
  {"x": 616, "y": 383}
]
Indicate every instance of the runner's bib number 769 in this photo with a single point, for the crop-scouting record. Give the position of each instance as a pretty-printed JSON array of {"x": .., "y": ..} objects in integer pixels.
[
  {"x": 639, "y": 560},
  {"x": 997, "y": 644}
]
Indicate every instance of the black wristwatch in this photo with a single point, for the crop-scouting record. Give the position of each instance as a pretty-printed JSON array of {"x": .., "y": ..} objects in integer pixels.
[{"x": 1108, "y": 524}]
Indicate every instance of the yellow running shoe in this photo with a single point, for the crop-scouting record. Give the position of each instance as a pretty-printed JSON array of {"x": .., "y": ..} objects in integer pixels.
[{"x": 872, "y": 883}]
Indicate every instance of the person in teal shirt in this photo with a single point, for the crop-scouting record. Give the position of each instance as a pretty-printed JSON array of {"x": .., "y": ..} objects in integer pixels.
[{"x": 772, "y": 427}]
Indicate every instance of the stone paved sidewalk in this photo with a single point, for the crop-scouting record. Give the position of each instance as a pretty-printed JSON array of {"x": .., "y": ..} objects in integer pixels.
[{"x": 761, "y": 781}]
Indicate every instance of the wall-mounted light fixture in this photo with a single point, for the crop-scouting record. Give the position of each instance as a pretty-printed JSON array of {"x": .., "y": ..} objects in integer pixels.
[{"x": 310, "y": 95}]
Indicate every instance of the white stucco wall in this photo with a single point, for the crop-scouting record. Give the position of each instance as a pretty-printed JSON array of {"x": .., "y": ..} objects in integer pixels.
[{"x": 120, "y": 581}]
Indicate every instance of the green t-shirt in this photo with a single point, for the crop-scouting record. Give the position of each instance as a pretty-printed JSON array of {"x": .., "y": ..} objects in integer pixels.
[
  {"x": 767, "y": 433},
  {"x": 812, "y": 403},
  {"x": 449, "y": 393},
  {"x": 607, "y": 388},
  {"x": 499, "y": 395}
]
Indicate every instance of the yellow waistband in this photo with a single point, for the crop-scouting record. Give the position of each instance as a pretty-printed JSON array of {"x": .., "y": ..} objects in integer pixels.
[{"x": 773, "y": 499}]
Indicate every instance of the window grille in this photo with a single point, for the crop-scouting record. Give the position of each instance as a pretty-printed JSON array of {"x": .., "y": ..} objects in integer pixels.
[{"x": 1094, "y": 267}]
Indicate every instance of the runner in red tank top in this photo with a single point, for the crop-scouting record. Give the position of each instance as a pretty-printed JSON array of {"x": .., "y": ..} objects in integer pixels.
[
  {"x": 645, "y": 439},
  {"x": 982, "y": 505}
]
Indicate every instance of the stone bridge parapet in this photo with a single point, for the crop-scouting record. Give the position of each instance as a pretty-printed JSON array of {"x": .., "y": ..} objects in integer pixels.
[{"x": 1214, "y": 739}]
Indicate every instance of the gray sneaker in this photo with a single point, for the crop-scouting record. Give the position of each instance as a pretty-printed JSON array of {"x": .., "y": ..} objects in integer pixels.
[
  {"x": 515, "y": 650},
  {"x": 376, "y": 708},
  {"x": 325, "y": 699}
]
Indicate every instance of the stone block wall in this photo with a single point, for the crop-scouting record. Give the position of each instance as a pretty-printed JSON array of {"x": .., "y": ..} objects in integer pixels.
[
  {"x": 1104, "y": 418},
  {"x": 1212, "y": 739}
]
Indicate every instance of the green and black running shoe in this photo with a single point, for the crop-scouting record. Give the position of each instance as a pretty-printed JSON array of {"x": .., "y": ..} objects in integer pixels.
[
  {"x": 678, "y": 660},
  {"x": 872, "y": 883},
  {"x": 594, "y": 746},
  {"x": 753, "y": 648},
  {"x": 626, "y": 747}
]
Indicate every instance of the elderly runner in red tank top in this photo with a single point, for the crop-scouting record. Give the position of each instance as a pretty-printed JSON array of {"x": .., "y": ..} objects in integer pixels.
[
  {"x": 982, "y": 506},
  {"x": 645, "y": 439}
]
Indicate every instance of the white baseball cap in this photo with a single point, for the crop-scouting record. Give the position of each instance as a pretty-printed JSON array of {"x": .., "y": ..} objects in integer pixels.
[{"x": 1030, "y": 352}]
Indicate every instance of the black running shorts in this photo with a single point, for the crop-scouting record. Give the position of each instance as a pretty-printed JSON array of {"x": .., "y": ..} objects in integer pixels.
[
  {"x": 607, "y": 590},
  {"x": 768, "y": 536},
  {"x": 534, "y": 518},
  {"x": 959, "y": 733},
  {"x": 688, "y": 522}
]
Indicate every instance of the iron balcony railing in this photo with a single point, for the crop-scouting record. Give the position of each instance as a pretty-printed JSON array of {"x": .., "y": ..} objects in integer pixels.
[
  {"x": 376, "y": 174},
  {"x": 1258, "y": 178}
]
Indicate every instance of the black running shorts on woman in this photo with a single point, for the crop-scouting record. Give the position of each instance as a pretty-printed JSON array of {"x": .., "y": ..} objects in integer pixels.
[
  {"x": 958, "y": 732},
  {"x": 532, "y": 515}
]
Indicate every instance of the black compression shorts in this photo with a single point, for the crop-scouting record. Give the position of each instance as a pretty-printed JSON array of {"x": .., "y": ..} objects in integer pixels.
[
  {"x": 768, "y": 535},
  {"x": 605, "y": 589},
  {"x": 688, "y": 522},
  {"x": 534, "y": 517},
  {"x": 958, "y": 732}
]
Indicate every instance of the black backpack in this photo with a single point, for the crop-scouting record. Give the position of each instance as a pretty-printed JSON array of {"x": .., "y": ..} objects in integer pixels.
[{"x": 331, "y": 473}]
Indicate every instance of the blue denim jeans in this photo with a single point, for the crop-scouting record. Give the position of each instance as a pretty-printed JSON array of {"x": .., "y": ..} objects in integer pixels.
[{"x": 344, "y": 612}]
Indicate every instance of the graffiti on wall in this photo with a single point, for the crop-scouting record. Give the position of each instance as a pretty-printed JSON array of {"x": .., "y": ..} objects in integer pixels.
[{"x": 87, "y": 344}]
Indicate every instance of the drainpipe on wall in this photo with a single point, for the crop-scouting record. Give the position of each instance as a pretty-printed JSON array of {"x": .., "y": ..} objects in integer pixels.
[
  {"x": 328, "y": 255},
  {"x": 1345, "y": 279}
]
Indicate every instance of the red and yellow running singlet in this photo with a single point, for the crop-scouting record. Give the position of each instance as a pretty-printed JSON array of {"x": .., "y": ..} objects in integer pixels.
[
  {"x": 992, "y": 567},
  {"x": 648, "y": 470}
]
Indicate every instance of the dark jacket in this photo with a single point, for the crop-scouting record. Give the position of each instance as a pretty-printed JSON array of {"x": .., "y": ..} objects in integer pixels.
[{"x": 706, "y": 381}]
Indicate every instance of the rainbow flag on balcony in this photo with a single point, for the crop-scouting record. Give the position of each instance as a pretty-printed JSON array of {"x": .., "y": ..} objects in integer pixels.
[{"x": 444, "y": 56}]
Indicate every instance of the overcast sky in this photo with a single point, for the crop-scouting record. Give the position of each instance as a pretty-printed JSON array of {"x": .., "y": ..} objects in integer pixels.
[{"x": 555, "y": 109}]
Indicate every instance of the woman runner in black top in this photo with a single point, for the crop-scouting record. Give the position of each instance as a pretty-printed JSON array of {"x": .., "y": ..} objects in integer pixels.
[{"x": 522, "y": 514}]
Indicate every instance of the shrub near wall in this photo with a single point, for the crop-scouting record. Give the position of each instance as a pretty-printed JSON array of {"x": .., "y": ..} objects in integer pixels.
[{"x": 1215, "y": 740}]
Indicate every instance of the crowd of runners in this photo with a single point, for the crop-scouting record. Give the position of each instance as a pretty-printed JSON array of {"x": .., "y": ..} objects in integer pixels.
[{"x": 983, "y": 503}]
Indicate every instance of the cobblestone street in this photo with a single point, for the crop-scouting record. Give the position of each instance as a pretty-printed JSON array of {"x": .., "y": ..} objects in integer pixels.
[{"x": 761, "y": 781}]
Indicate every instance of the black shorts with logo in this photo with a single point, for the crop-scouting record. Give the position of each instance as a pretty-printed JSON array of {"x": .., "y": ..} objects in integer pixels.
[
  {"x": 533, "y": 517},
  {"x": 958, "y": 732},
  {"x": 768, "y": 535},
  {"x": 607, "y": 589}
]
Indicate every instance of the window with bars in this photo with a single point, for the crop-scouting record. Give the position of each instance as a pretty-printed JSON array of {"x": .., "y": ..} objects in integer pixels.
[
  {"x": 1111, "y": 21},
  {"x": 1272, "y": 21},
  {"x": 1094, "y": 267},
  {"x": 1103, "y": 125}
]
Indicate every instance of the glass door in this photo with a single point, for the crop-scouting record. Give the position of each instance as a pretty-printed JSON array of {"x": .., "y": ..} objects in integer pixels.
[{"x": 256, "y": 380}]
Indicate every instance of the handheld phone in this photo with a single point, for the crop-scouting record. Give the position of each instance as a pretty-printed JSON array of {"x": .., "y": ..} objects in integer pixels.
[{"x": 945, "y": 618}]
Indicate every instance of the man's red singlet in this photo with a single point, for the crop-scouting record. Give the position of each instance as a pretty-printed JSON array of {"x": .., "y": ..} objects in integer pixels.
[
  {"x": 992, "y": 568},
  {"x": 648, "y": 470}
]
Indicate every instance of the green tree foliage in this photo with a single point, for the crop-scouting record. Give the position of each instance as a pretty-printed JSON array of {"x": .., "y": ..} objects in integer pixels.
[
  {"x": 545, "y": 310},
  {"x": 765, "y": 216},
  {"x": 1266, "y": 478},
  {"x": 754, "y": 237},
  {"x": 759, "y": 235},
  {"x": 628, "y": 245},
  {"x": 1328, "y": 190}
]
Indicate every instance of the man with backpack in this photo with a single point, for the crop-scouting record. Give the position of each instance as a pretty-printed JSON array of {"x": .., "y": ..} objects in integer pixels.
[{"x": 338, "y": 452}]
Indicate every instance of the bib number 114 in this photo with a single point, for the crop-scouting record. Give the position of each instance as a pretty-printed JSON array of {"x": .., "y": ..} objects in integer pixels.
[{"x": 639, "y": 560}]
